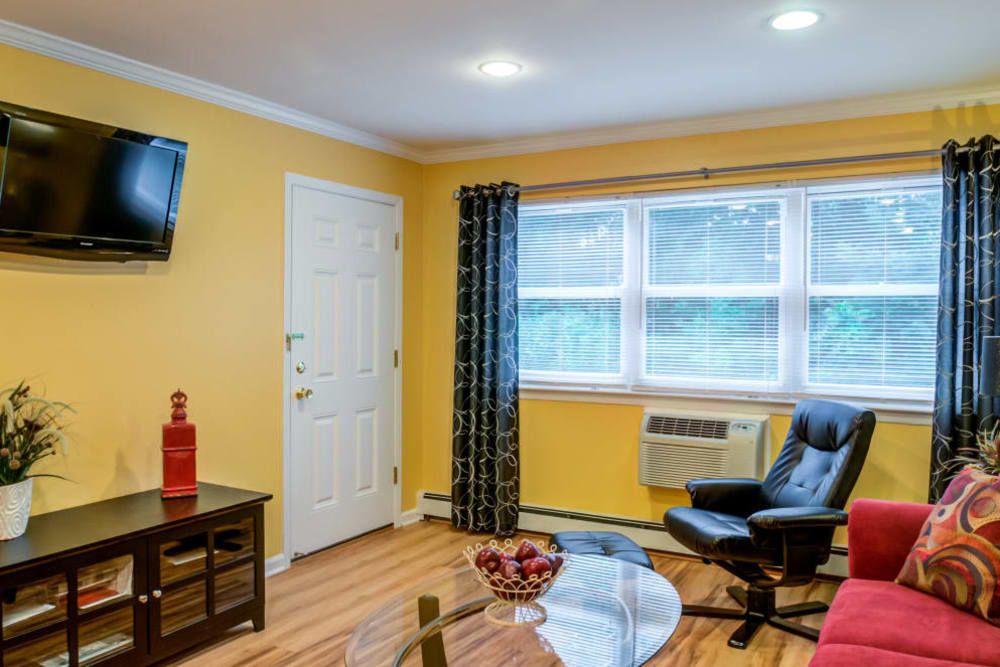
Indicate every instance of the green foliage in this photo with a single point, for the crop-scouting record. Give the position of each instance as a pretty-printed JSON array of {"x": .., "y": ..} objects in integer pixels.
[
  {"x": 30, "y": 430},
  {"x": 986, "y": 456}
]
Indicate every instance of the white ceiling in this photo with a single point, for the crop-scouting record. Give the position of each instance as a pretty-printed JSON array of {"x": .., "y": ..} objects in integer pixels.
[{"x": 406, "y": 69}]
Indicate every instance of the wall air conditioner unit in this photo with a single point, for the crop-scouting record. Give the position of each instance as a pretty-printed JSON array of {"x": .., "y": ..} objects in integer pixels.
[{"x": 676, "y": 447}]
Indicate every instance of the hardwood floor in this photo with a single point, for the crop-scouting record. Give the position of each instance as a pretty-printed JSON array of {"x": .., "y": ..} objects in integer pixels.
[{"x": 313, "y": 607}]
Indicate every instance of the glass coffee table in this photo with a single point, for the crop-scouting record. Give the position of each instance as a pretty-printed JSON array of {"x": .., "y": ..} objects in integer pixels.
[{"x": 601, "y": 611}]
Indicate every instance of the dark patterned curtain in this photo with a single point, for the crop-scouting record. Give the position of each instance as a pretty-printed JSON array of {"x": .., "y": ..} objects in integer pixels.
[
  {"x": 967, "y": 308},
  {"x": 485, "y": 462}
]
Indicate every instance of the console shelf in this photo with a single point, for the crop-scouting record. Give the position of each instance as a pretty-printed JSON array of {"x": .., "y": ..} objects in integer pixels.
[{"x": 132, "y": 580}]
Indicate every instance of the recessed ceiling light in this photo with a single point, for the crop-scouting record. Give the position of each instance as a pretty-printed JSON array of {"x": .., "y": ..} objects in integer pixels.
[
  {"x": 796, "y": 20},
  {"x": 499, "y": 68}
]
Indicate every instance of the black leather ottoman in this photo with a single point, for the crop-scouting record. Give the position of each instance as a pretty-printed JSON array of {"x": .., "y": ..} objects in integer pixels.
[{"x": 612, "y": 545}]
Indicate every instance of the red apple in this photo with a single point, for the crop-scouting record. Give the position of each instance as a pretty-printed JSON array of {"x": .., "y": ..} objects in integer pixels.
[
  {"x": 488, "y": 559},
  {"x": 507, "y": 579},
  {"x": 535, "y": 567},
  {"x": 510, "y": 570},
  {"x": 555, "y": 561},
  {"x": 526, "y": 551}
]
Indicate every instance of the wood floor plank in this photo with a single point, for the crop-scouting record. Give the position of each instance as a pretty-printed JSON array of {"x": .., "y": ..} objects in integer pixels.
[{"x": 313, "y": 607}]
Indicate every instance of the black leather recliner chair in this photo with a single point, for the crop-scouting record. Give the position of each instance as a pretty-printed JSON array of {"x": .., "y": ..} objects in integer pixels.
[{"x": 786, "y": 521}]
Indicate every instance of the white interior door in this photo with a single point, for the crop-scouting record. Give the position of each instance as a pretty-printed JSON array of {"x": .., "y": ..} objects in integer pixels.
[{"x": 341, "y": 366}]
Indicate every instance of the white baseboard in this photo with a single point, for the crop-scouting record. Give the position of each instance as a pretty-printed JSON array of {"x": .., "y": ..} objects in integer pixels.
[
  {"x": 275, "y": 564},
  {"x": 408, "y": 517},
  {"x": 540, "y": 519}
]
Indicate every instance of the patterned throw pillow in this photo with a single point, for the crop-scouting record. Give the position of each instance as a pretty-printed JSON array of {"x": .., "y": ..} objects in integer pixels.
[{"x": 957, "y": 557}]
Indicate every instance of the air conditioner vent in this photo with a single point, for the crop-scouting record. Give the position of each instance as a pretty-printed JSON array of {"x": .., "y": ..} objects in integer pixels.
[
  {"x": 688, "y": 427},
  {"x": 676, "y": 447},
  {"x": 673, "y": 466}
]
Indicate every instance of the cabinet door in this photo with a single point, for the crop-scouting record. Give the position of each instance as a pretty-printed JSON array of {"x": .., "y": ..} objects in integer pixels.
[
  {"x": 180, "y": 561},
  {"x": 112, "y": 605},
  {"x": 35, "y": 617},
  {"x": 81, "y": 610},
  {"x": 237, "y": 540}
]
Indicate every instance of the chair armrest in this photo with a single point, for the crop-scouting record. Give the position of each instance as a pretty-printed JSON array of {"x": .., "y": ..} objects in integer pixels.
[
  {"x": 728, "y": 495},
  {"x": 880, "y": 535},
  {"x": 787, "y": 518}
]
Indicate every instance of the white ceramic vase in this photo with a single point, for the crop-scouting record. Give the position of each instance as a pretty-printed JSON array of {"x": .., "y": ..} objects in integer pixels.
[{"x": 15, "y": 506}]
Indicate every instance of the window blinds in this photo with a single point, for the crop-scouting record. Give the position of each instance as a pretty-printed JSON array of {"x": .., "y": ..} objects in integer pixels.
[
  {"x": 711, "y": 298},
  {"x": 828, "y": 290},
  {"x": 571, "y": 272},
  {"x": 872, "y": 290}
]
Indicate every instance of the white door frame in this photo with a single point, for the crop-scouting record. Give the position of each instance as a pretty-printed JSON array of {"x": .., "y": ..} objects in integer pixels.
[{"x": 292, "y": 179}]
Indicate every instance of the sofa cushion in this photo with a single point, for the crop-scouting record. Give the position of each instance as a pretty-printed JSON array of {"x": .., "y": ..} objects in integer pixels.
[
  {"x": 887, "y": 616},
  {"x": 850, "y": 655},
  {"x": 957, "y": 556}
]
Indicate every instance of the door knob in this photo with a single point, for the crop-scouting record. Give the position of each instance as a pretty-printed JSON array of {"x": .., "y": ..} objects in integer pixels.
[
  {"x": 302, "y": 392},
  {"x": 143, "y": 598},
  {"x": 157, "y": 593}
]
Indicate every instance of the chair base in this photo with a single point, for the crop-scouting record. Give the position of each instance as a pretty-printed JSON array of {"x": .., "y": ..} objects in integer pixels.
[{"x": 759, "y": 608}]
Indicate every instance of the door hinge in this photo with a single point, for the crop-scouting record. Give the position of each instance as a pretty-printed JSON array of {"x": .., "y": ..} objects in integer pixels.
[
  {"x": 397, "y": 240},
  {"x": 395, "y": 358},
  {"x": 395, "y": 475}
]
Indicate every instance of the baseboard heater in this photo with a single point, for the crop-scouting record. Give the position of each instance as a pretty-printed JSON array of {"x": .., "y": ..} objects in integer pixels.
[{"x": 587, "y": 516}]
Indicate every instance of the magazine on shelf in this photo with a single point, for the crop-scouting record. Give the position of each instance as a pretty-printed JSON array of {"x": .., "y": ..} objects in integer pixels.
[
  {"x": 93, "y": 598},
  {"x": 94, "y": 649},
  {"x": 187, "y": 557},
  {"x": 18, "y": 613}
]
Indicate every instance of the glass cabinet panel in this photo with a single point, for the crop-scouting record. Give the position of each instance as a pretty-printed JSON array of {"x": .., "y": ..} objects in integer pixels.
[
  {"x": 33, "y": 605},
  {"x": 182, "y": 606},
  {"x": 183, "y": 557},
  {"x": 234, "y": 586},
  {"x": 106, "y": 635},
  {"x": 51, "y": 650},
  {"x": 102, "y": 583},
  {"x": 234, "y": 540}
]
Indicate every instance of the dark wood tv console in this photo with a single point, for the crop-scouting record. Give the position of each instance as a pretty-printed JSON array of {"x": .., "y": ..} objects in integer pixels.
[{"x": 132, "y": 580}]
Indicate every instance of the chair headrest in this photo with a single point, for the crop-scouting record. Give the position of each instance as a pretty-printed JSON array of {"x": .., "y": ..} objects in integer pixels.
[{"x": 827, "y": 425}]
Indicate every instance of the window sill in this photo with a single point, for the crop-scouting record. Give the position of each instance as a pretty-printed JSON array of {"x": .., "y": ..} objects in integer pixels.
[{"x": 889, "y": 411}]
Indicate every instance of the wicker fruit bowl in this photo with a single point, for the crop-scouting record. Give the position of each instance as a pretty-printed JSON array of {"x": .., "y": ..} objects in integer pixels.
[{"x": 516, "y": 574}]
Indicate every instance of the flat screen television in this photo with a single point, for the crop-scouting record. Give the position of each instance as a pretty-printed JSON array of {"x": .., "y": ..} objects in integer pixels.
[{"x": 76, "y": 189}]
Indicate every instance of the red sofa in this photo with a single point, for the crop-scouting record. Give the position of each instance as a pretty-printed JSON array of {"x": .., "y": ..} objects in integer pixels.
[{"x": 876, "y": 623}]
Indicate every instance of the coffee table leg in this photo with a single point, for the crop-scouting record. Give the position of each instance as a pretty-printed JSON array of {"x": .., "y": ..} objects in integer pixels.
[{"x": 432, "y": 648}]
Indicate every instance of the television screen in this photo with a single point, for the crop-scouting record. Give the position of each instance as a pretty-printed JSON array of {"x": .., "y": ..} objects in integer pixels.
[
  {"x": 70, "y": 183},
  {"x": 75, "y": 189}
]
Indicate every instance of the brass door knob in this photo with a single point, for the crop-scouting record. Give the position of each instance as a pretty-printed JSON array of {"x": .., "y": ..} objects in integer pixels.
[
  {"x": 144, "y": 598},
  {"x": 157, "y": 593},
  {"x": 302, "y": 392}
]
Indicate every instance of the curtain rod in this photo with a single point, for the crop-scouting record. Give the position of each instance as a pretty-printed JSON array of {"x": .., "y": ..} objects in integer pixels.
[{"x": 706, "y": 172}]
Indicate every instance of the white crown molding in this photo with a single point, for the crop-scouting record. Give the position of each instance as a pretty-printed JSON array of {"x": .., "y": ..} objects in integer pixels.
[
  {"x": 790, "y": 115},
  {"x": 69, "y": 51},
  {"x": 77, "y": 53}
]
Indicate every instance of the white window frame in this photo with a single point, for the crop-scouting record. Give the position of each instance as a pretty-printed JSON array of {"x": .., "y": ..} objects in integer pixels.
[
  {"x": 857, "y": 289},
  {"x": 793, "y": 293},
  {"x": 647, "y": 290},
  {"x": 625, "y": 293}
]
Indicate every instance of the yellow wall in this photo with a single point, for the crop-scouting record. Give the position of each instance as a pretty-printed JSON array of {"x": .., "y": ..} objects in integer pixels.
[
  {"x": 583, "y": 455},
  {"x": 210, "y": 320}
]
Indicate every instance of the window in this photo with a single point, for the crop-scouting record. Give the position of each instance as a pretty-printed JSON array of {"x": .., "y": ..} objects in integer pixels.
[
  {"x": 571, "y": 285},
  {"x": 821, "y": 289}
]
